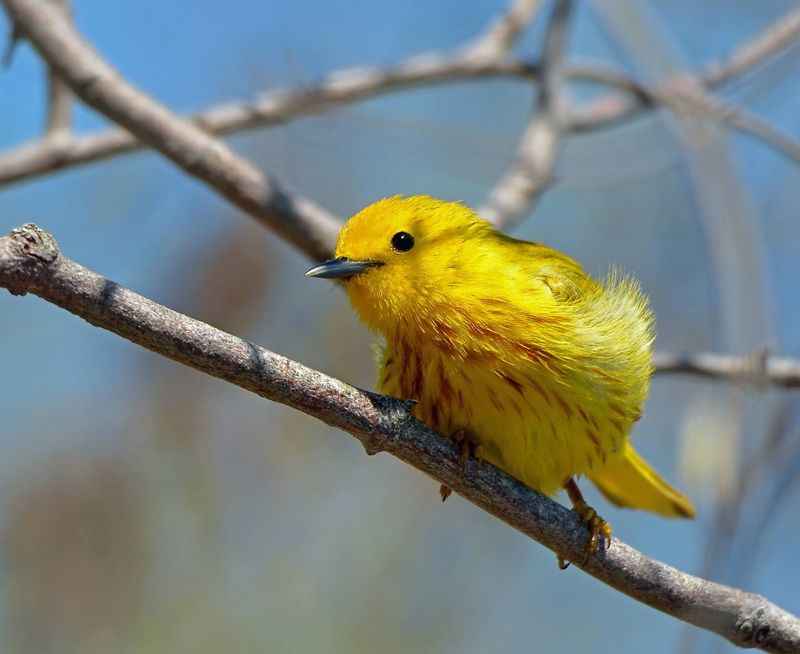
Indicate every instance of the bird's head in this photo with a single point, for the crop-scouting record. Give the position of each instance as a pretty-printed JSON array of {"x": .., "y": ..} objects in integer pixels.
[{"x": 402, "y": 259}]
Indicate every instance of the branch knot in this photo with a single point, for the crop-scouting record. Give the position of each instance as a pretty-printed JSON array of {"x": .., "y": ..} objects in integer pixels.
[
  {"x": 25, "y": 255},
  {"x": 754, "y": 629}
]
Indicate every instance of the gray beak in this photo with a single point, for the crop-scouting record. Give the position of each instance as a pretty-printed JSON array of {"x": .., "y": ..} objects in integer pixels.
[{"x": 341, "y": 268}]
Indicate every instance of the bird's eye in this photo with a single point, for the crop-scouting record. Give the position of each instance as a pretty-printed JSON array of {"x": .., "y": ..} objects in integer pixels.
[{"x": 402, "y": 242}]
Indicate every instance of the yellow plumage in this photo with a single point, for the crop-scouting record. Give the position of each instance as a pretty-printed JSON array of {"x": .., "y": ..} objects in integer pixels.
[{"x": 507, "y": 344}]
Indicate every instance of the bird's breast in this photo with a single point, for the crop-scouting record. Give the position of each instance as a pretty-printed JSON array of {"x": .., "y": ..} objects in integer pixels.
[{"x": 527, "y": 416}]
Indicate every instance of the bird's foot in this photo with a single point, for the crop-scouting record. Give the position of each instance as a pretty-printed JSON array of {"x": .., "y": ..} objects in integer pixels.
[
  {"x": 598, "y": 527},
  {"x": 469, "y": 448}
]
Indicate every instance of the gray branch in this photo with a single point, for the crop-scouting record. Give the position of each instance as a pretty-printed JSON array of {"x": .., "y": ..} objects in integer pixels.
[
  {"x": 301, "y": 222},
  {"x": 279, "y": 107},
  {"x": 759, "y": 369},
  {"x": 30, "y": 262},
  {"x": 59, "y": 97},
  {"x": 774, "y": 38},
  {"x": 683, "y": 94},
  {"x": 352, "y": 85},
  {"x": 515, "y": 194},
  {"x": 611, "y": 109},
  {"x": 342, "y": 88},
  {"x": 483, "y": 57},
  {"x": 498, "y": 38}
]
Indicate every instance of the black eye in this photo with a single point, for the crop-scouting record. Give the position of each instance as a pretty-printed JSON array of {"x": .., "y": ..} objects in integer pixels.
[{"x": 402, "y": 241}]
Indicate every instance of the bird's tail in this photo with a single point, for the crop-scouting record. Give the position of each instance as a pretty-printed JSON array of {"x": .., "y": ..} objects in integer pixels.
[{"x": 632, "y": 483}]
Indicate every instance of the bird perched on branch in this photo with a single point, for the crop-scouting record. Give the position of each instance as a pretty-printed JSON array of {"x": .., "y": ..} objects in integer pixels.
[{"x": 509, "y": 348}]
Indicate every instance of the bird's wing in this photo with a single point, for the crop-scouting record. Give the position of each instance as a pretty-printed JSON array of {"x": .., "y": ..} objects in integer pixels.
[{"x": 564, "y": 276}]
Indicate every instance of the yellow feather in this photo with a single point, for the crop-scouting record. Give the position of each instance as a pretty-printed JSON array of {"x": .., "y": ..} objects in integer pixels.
[
  {"x": 509, "y": 344},
  {"x": 633, "y": 483}
]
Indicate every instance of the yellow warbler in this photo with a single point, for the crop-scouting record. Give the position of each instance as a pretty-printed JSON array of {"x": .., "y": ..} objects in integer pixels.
[{"x": 509, "y": 347}]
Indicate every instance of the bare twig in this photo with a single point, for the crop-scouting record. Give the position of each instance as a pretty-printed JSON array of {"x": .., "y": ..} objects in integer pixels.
[
  {"x": 503, "y": 31},
  {"x": 279, "y": 107},
  {"x": 59, "y": 109},
  {"x": 301, "y": 222},
  {"x": 352, "y": 85},
  {"x": 515, "y": 194},
  {"x": 758, "y": 369},
  {"x": 480, "y": 58},
  {"x": 683, "y": 94},
  {"x": 59, "y": 97},
  {"x": 777, "y": 36},
  {"x": 30, "y": 262},
  {"x": 610, "y": 109}
]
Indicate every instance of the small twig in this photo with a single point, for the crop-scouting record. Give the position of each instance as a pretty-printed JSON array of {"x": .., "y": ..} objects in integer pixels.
[
  {"x": 352, "y": 85},
  {"x": 59, "y": 98},
  {"x": 682, "y": 94},
  {"x": 515, "y": 194},
  {"x": 307, "y": 226},
  {"x": 59, "y": 109},
  {"x": 279, "y": 107},
  {"x": 777, "y": 36},
  {"x": 480, "y": 58},
  {"x": 501, "y": 34},
  {"x": 609, "y": 110},
  {"x": 758, "y": 369},
  {"x": 30, "y": 262}
]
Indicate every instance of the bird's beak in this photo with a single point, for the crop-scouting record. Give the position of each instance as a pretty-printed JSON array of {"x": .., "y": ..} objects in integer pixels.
[{"x": 340, "y": 268}]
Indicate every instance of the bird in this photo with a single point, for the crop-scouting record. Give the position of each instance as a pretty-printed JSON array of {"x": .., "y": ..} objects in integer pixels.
[{"x": 508, "y": 348}]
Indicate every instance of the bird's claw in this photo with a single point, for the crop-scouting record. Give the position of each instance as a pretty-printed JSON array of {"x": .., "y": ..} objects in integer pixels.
[
  {"x": 468, "y": 448},
  {"x": 445, "y": 491},
  {"x": 598, "y": 528}
]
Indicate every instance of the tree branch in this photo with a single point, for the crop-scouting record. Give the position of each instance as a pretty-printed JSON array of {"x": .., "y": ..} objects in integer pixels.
[
  {"x": 30, "y": 262},
  {"x": 59, "y": 97},
  {"x": 501, "y": 34},
  {"x": 279, "y": 107},
  {"x": 758, "y": 369},
  {"x": 481, "y": 58},
  {"x": 515, "y": 194},
  {"x": 682, "y": 94},
  {"x": 345, "y": 87},
  {"x": 307, "y": 226},
  {"x": 351, "y": 85},
  {"x": 777, "y": 36},
  {"x": 613, "y": 108}
]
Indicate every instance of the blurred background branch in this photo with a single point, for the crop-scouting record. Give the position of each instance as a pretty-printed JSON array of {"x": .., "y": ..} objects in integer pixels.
[
  {"x": 759, "y": 369},
  {"x": 482, "y": 58},
  {"x": 515, "y": 194},
  {"x": 304, "y": 224},
  {"x": 503, "y": 31},
  {"x": 769, "y": 42},
  {"x": 59, "y": 97}
]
